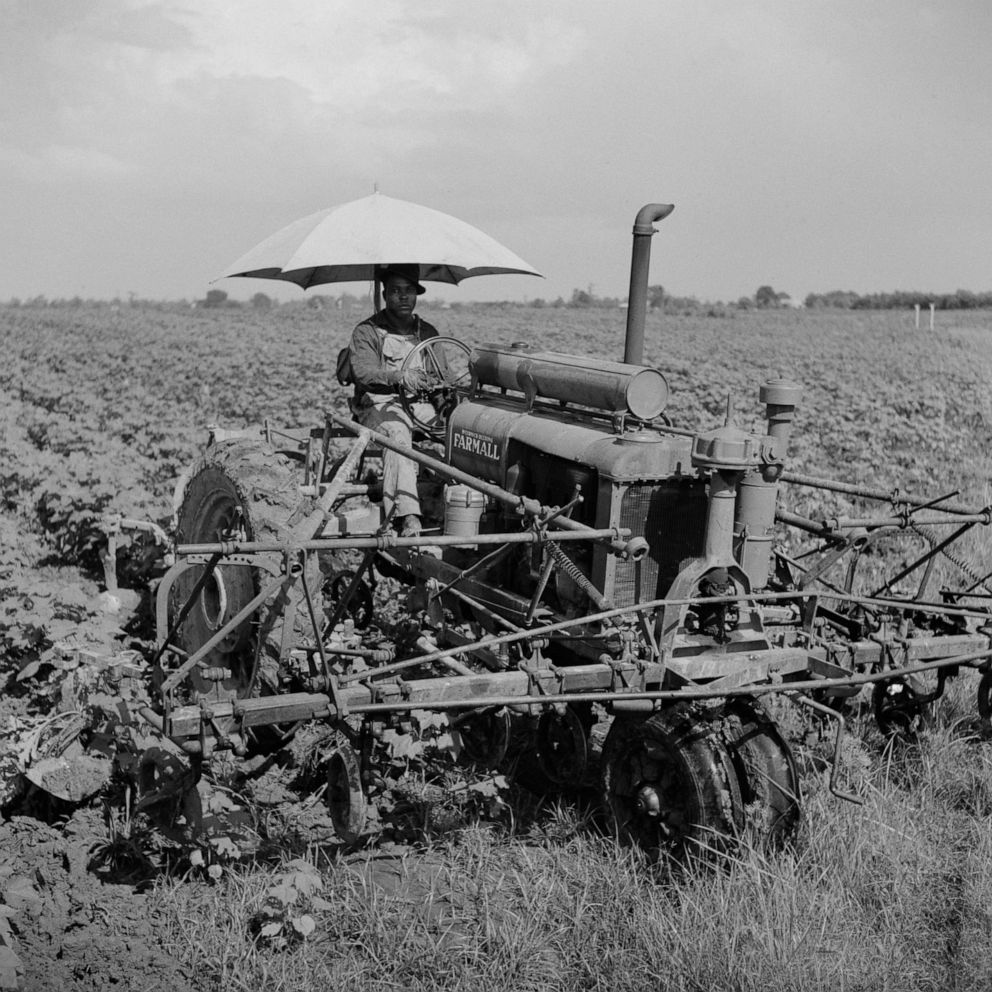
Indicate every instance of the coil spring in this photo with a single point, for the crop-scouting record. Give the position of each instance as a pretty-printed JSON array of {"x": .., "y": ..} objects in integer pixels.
[
  {"x": 566, "y": 564},
  {"x": 933, "y": 540},
  {"x": 577, "y": 576}
]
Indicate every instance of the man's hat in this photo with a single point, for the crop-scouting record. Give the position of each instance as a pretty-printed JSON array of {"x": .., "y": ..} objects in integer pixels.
[{"x": 409, "y": 272}]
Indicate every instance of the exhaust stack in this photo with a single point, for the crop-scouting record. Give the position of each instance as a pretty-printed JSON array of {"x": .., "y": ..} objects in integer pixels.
[{"x": 640, "y": 260}]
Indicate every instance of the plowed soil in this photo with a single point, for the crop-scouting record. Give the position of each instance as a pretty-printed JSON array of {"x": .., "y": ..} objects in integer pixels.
[
  {"x": 77, "y": 906},
  {"x": 74, "y": 928}
]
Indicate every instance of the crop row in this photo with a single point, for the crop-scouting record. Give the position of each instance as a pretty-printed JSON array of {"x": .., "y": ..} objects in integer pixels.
[{"x": 102, "y": 409}]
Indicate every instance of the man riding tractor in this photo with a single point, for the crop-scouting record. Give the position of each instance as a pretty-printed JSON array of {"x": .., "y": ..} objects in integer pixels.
[{"x": 380, "y": 347}]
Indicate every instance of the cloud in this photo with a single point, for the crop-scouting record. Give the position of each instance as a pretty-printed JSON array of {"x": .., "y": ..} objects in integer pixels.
[
  {"x": 784, "y": 132},
  {"x": 56, "y": 163},
  {"x": 136, "y": 86},
  {"x": 358, "y": 56}
]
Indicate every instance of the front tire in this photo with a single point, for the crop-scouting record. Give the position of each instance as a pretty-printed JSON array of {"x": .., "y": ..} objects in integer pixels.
[
  {"x": 669, "y": 786},
  {"x": 766, "y": 770}
]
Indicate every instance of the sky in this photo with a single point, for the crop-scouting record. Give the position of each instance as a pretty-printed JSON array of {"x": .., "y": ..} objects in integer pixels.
[{"x": 826, "y": 144}]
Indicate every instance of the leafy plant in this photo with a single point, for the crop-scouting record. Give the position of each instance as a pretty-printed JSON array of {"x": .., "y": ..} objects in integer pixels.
[{"x": 286, "y": 914}]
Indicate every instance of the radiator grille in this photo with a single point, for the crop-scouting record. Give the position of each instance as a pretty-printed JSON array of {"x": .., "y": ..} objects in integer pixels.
[{"x": 671, "y": 516}]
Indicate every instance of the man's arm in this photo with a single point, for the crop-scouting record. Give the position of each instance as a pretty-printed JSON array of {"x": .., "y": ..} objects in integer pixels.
[{"x": 366, "y": 361}]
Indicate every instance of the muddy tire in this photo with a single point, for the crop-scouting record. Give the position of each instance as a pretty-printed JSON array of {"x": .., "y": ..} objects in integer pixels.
[
  {"x": 345, "y": 795},
  {"x": 241, "y": 488},
  {"x": 669, "y": 785},
  {"x": 766, "y": 771}
]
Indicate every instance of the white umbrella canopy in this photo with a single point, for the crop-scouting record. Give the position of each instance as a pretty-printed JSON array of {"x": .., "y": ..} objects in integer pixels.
[{"x": 348, "y": 242}]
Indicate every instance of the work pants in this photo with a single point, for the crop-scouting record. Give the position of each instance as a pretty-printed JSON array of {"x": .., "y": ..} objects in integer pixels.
[{"x": 399, "y": 474}]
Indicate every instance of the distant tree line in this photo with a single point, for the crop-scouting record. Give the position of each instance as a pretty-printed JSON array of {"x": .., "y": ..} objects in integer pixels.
[
  {"x": 659, "y": 299},
  {"x": 765, "y": 297},
  {"x": 962, "y": 299}
]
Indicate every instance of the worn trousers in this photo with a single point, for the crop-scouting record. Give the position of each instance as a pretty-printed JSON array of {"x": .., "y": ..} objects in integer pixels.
[{"x": 399, "y": 474}]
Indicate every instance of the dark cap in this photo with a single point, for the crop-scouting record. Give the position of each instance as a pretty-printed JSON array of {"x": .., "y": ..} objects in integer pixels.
[{"x": 409, "y": 272}]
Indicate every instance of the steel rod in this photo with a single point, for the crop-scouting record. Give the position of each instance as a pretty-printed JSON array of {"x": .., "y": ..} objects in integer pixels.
[
  {"x": 476, "y": 568},
  {"x": 386, "y": 541},
  {"x": 320, "y": 706},
  {"x": 801, "y": 523},
  {"x": 829, "y": 526},
  {"x": 926, "y": 558},
  {"x": 496, "y": 640},
  {"x": 186, "y": 608},
  {"x": 874, "y": 523},
  {"x": 483, "y": 609},
  {"x": 831, "y": 714},
  {"x": 891, "y": 496},
  {"x": 246, "y": 611}
]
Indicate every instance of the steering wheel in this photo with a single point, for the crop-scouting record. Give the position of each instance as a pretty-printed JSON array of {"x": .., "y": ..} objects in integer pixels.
[{"x": 445, "y": 382}]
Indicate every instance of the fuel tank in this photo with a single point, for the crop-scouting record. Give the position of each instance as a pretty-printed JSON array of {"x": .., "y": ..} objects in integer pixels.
[{"x": 614, "y": 387}]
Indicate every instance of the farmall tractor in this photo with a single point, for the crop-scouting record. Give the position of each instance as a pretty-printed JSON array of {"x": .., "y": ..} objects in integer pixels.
[{"x": 627, "y": 602}]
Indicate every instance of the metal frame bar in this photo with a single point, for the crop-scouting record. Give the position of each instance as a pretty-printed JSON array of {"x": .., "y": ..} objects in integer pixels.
[
  {"x": 385, "y": 541},
  {"x": 546, "y": 629},
  {"x": 930, "y": 555},
  {"x": 186, "y": 722},
  {"x": 881, "y": 495},
  {"x": 187, "y": 607},
  {"x": 243, "y": 614},
  {"x": 481, "y": 565},
  {"x": 169, "y": 580}
]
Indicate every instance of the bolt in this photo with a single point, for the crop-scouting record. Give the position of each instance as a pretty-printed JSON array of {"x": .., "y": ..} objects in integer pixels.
[{"x": 648, "y": 801}]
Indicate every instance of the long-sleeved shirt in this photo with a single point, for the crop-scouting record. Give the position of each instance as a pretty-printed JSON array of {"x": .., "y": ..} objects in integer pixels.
[{"x": 378, "y": 347}]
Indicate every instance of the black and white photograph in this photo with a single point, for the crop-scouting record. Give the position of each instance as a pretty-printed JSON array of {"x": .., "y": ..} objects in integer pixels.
[{"x": 495, "y": 497}]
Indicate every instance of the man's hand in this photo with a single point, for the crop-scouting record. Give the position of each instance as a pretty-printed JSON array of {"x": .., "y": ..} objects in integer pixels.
[{"x": 416, "y": 381}]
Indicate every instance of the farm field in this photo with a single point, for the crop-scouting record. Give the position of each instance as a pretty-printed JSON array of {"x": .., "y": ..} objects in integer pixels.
[{"x": 102, "y": 409}]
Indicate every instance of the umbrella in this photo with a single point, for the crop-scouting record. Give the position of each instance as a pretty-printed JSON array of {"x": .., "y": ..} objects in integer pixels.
[{"x": 346, "y": 243}]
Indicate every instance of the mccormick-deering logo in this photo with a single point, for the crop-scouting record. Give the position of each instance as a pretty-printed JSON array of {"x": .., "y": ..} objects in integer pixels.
[{"x": 475, "y": 444}]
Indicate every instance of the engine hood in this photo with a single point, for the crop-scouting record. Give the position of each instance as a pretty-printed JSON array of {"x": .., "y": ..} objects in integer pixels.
[{"x": 482, "y": 433}]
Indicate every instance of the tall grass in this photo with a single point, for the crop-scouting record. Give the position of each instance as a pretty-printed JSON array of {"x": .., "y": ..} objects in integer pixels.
[{"x": 894, "y": 894}]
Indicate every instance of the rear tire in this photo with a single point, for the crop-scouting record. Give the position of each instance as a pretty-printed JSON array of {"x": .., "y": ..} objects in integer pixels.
[{"x": 243, "y": 489}]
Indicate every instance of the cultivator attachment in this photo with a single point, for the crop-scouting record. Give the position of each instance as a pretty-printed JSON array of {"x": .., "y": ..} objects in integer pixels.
[{"x": 540, "y": 629}]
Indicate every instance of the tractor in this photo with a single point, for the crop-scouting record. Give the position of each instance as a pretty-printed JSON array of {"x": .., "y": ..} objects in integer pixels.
[{"x": 630, "y": 602}]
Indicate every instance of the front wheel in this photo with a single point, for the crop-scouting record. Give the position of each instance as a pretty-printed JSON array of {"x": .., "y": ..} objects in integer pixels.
[
  {"x": 669, "y": 786},
  {"x": 902, "y": 707},
  {"x": 766, "y": 770}
]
